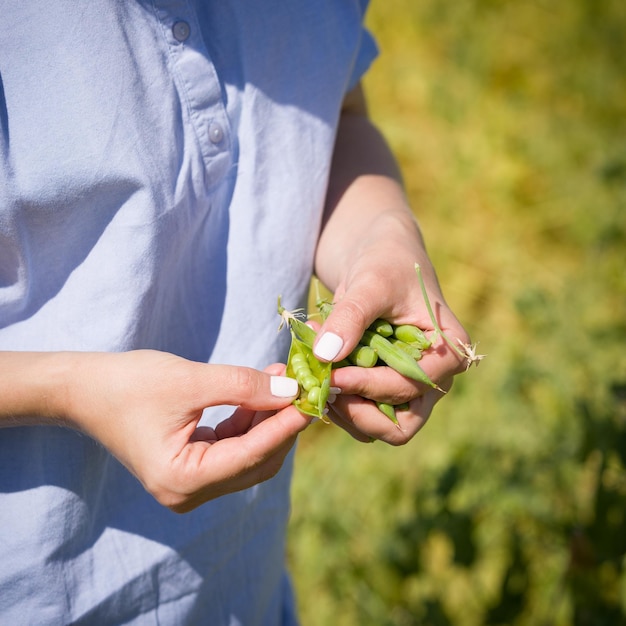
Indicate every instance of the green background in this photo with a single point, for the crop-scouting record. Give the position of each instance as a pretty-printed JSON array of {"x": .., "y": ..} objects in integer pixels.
[{"x": 509, "y": 122}]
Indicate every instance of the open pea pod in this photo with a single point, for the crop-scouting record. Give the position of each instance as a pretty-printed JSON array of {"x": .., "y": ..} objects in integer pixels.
[{"x": 304, "y": 367}]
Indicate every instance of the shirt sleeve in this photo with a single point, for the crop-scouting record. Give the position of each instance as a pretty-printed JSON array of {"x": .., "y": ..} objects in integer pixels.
[{"x": 367, "y": 52}]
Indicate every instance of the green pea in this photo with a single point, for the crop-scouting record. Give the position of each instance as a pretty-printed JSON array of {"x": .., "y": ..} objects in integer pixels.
[
  {"x": 302, "y": 372},
  {"x": 363, "y": 356},
  {"x": 298, "y": 359},
  {"x": 308, "y": 382},
  {"x": 313, "y": 396},
  {"x": 382, "y": 327}
]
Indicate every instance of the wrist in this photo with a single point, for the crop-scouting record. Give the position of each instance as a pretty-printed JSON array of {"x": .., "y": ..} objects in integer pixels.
[
  {"x": 34, "y": 387},
  {"x": 390, "y": 241}
]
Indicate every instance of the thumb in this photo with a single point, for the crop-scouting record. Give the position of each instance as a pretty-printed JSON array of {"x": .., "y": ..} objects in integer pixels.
[
  {"x": 343, "y": 328},
  {"x": 246, "y": 387}
]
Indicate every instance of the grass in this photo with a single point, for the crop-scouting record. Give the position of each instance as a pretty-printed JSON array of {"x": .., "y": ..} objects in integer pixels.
[{"x": 509, "y": 122}]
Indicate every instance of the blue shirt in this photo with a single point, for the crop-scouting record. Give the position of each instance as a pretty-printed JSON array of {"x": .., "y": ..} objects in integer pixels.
[{"x": 163, "y": 167}]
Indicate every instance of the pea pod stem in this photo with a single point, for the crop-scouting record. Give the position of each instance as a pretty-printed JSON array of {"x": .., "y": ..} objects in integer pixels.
[
  {"x": 323, "y": 305},
  {"x": 302, "y": 330},
  {"x": 325, "y": 308},
  {"x": 469, "y": 351},
  {"x": 429, "y": 308}
]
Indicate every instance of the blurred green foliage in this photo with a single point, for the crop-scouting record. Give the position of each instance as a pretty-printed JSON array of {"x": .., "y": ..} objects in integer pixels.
[{"x": 509, "y": 121}]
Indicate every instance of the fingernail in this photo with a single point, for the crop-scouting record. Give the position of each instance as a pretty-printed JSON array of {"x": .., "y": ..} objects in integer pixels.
[
  {"x": 328, "y": 346},
  {"x": 333, "y": 392},
  {"x": 283, "y": 387}
]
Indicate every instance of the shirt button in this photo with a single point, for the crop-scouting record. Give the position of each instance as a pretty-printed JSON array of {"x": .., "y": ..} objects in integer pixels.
[
  {"x": 216, "y": 134},
  {"x": 181, "y": 31}
]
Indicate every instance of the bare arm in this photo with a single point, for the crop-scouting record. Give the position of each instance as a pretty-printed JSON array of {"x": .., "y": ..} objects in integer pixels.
[{"x": 366, "y": 254}]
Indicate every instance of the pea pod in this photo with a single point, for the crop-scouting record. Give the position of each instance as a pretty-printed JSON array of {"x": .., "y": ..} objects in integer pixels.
[
  {"x": 312, "y": 375},
  {"x": 412, "y": 335},
  {"x": 396, "y": 358},
  {"x": 323, "y": 397},
  {"x": 411, "y": 349},
  {"x": 388, "y": 410},
  {"x": 318, "y": 368}
]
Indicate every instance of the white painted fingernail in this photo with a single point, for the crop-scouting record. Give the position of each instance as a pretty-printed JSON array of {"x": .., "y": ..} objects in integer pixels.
[
  {"x": 328, "y": 346},
  {"x": 283, "y": 387}
]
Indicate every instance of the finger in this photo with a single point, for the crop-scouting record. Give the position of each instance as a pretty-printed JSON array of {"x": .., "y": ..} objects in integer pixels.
[
  {"x": 386, "y": 385},
  {"x": 234, "y": 463},
  {"x": 204, "y": 433},
  {"x": 275, "y": 369},
  {"x": 351, "y": 315},
  {"x": 338, "y": 419},
  {"x": 359, "y": 415},
  {"x": 260, "y": 416},
  {"x": 238, "y": 423},
  {"x": 377, "y": 383},
  {"x": 315, "y": 325},
  {"x": 441, "y": 360},
  {"x": 364, "y": 421},
  {"x": 182, "y": 503}
]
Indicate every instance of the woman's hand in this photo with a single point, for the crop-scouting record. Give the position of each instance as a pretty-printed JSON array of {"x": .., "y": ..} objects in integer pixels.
[
  {"x": 367, "y": 251},
  {"x": 144, "y": 407},
  {"x": 364, "y": 297}
]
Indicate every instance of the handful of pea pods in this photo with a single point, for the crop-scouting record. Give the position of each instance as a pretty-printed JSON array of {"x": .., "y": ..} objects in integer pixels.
[{"x": 398, "y": 346}]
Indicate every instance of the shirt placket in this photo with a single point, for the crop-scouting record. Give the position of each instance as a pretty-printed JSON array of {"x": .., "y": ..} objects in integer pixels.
[{"x": 199, "y": 85}]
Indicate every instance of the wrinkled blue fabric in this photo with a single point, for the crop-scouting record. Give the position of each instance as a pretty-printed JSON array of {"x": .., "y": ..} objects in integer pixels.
[{"x": 163, "y": 167}]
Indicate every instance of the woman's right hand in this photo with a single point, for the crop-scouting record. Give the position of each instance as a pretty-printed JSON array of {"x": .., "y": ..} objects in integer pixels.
[{"x": 144, "y": 406}]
